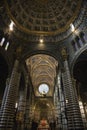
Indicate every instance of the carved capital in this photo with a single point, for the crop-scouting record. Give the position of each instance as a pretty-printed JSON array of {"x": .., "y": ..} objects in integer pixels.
[
  {"x": 64, "y": 53},
  {"x": 18, "y": 52}
]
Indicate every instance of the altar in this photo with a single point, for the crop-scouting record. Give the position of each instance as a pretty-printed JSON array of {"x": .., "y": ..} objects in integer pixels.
[{"x": 43, "y": 125}]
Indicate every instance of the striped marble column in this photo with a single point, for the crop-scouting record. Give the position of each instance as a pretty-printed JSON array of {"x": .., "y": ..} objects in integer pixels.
[
  {"x": 72, "y": 106},
  {"x": 22, "y": 104},
  {"x": 27, "y": 121},
  {"x": 29, "y": 108},
  {"x": 8, "y": 107},
  {"x": 5, "y": 95}
]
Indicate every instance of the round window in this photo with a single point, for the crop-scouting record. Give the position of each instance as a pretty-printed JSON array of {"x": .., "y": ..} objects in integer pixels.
[{"x": 43, "y": 88}]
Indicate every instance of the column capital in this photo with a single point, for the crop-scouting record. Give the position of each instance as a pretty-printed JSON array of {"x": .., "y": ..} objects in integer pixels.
[
  {"x": 64, "y": 53},
  {"x": 19, "y": 52},
  {"x": 7, "y": 80}
]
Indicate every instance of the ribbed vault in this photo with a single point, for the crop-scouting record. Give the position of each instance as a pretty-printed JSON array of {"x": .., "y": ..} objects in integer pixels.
[{"x": 42, "y": 69}]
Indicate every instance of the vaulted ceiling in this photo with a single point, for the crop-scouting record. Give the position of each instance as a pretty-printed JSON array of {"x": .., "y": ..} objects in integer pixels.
[
  {"x": 43, "y": 16},
  {"x": 34, "y": 20},
  {"x": 42, "y": 69}
]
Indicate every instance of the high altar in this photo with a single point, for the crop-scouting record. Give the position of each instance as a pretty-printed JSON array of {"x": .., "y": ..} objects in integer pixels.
[{"x": 43, "y": 125}]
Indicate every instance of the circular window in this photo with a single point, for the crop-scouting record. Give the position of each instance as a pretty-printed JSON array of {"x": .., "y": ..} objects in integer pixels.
[{"x": 43, "y": 88}]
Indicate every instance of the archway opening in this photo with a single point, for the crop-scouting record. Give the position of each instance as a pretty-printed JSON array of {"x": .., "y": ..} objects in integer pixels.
[{"x": 80, "y": 74}]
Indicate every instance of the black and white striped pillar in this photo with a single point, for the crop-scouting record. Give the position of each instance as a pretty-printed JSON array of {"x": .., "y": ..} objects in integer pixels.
[
  {"x": 9, "y": 100},
  {"x": 71, "y": 99},
  {"x": 4, "y": 96},
  {"x": 22, "y": 105}
]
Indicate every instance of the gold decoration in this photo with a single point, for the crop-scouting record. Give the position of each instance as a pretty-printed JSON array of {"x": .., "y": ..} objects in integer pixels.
[
  {"x": 18, "y": 51},
  {"x": 64, "y": 53},
  {"x": 41, "y": 32}
]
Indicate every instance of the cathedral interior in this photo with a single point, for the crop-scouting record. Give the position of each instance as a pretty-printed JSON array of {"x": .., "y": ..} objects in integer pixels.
[{"x": 43, "y": 64}]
